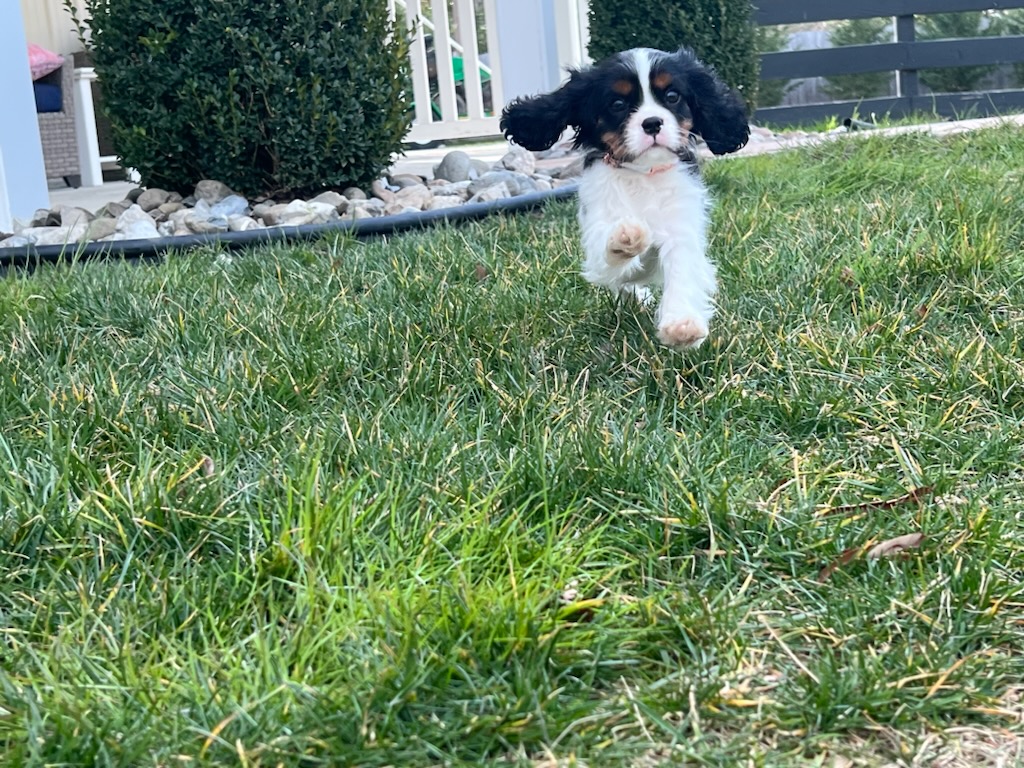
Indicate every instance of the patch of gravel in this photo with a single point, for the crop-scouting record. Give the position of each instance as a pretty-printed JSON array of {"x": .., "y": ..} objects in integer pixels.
[
  {"x": 215, "y": 208},
  {"x": 456, "y": 180}
]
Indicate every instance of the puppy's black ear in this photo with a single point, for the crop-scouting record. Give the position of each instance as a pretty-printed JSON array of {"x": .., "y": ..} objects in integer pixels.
[
  {"x": 537, "y": 122},
  {"x": 719, "y": 114}
]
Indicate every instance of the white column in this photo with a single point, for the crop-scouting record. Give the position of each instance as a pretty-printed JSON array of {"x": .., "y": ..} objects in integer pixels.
[
  {"x": 528, "y": 47},
  {"x": 25, "y": 185},
  {"x": 571, "y": 50},
  {"x": 85, "y": 128},
  {"x": 6, "y": 223}
]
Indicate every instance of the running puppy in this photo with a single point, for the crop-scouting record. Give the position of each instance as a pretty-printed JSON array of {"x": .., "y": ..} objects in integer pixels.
[{"x": 643, "y": 207}]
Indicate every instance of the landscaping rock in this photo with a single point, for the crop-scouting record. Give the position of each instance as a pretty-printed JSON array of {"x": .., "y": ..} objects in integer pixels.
[
  {"x": 204, "y": 224},
  {"x": 375, "y": 206},
  {"x": 243, "y": 224},
  {"x": 152, "y": 198},
  {"x": 298, "y": 213},
  {"x": 519, "y": 160},
  {"x": 398, "y": 207},
  {"x": 259, "y": 210},
  {"x": 113, "y": 210},
  {"x": 44, "y": 217},
  {"x": 212, "y": 191},
  {"x": 516, "y": 183},
  {"x": 74, "y": 217},
  {"x": 405, "y": 180},
  {"x": 49, "y": 235},
  {"x": 215, "y": 208},
  {"x": 418, "y": 197},
  {"x": 135, "y": 224},
  {"x": 455, "y": 166},
  {"x": 361, "y": 212},
  {"x": 381, "y": 191},
  {"x": 460, "y": 188},
  {"x": 489, "y": 194},
  {"x": 101, "y": 228},
  {"x": 339, "y": 202},
  {"x": 480, "y": 167},
  {"x": 232, "y": 205},
  {"x": 168, "y": 208},
  {"x": 445, "y": 201}
]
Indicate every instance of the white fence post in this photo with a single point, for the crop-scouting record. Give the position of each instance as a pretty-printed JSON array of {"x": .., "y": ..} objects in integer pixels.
[{"x": 85, "y": 128}]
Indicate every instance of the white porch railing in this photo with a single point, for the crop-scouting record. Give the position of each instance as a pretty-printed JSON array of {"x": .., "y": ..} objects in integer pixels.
[
  {"x": 451, "y": 104},
  {"x": 447, "y": 104},
  {"x": 444, "y": 108}
]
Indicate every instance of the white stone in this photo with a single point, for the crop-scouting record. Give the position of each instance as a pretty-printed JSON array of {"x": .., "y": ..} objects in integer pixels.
[
  {"x": 340, "y": 202},
  {"x": 498, "y": 191},
  {"x": 519, "y": 160},
  {"x": 445, "y": 201},
  {"x": 243, "y": 224},
  {"x": 418, "y": 197}
]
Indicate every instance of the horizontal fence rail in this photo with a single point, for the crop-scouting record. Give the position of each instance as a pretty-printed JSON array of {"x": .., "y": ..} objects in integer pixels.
[
  {"x": 905, "y": 56},
  {"x": 927, "y": 54},
  {"x": 771, "y": 12}
]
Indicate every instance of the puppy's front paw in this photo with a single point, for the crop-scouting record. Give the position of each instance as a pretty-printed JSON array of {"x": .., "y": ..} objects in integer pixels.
[
  {"x": 629, "y": 239},
  {"x": 687, "y": 333}
]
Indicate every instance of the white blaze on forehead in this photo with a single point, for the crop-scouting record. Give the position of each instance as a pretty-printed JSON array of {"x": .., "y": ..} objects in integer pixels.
[
  {"x": 636, "y": 139},
  {"x": 642, "y": 59}
]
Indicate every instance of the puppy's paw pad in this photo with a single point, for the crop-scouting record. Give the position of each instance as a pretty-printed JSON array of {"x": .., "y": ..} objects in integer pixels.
[
  {"x": 687, "y": 333},
  {"x": 628, "y": 240}
]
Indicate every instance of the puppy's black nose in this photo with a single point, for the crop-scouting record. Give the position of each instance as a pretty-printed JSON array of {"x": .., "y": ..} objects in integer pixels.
[{"x": 652, "y": 125}]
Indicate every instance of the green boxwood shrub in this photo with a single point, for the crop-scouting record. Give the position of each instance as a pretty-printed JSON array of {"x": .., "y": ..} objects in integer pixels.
[
  {"x": 270, "y": 98},
  {"x": 721, "y": 32}
]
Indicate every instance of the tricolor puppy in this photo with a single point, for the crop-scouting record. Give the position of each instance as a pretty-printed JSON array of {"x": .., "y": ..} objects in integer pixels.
[{"x": 643, "y": 207}]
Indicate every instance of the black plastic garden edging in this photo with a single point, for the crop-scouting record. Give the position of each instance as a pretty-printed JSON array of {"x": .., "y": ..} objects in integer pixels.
[{"x": 30, "y": 256}]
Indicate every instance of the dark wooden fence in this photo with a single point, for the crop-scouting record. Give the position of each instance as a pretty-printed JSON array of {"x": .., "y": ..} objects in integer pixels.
[{"x": 904, "y": 56}]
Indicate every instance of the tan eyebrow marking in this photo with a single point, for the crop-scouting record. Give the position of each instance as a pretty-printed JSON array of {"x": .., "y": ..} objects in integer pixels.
[
  {"x": 622, "y": 87},
  {"x": 663, "y": 80}
]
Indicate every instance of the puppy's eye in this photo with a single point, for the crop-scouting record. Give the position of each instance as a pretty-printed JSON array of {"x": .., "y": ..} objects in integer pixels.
[
  {"x": 673, "y": 97},
  {"x": 619, "y": 105}
]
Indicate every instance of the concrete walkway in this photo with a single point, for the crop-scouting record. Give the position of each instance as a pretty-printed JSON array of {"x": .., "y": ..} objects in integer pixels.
[{"x": 422, "y": 161}]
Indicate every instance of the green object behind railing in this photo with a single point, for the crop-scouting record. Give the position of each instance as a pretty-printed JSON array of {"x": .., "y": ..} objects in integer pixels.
[{"x": 460, "y": 74}]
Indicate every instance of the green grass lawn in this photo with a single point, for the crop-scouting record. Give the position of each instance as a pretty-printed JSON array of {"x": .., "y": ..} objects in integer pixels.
[{"x": 436, "y": 501}]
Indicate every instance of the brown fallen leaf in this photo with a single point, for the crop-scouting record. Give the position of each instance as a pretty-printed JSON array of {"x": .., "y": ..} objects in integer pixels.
[
  {"x": 208, "y": 468},
  {"x": 847, "y": 276},
  {"x": 872, "y": 552},
  {"x": 914, "y": 495},
  {"x": 482, "y": 272},
  {"x": 847, "y": 556},
  {"x": 892, "y": 546}
]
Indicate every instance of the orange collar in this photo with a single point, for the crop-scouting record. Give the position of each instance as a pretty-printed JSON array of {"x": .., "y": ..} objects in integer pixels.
[{"x": 609, "y": 160}]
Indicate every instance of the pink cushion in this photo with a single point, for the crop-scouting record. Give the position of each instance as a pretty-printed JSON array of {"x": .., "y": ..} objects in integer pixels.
[{"x": 42, "y": 62}]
